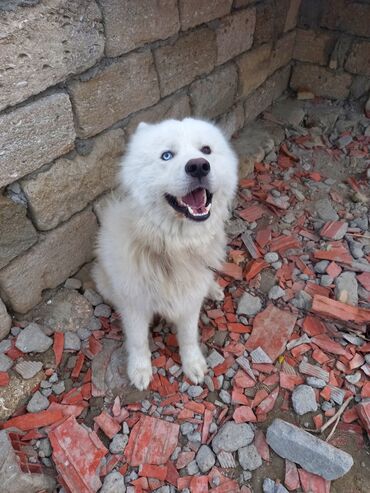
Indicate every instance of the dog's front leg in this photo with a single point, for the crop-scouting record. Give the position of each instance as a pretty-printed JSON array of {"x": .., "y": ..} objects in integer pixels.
[
  {"x": 193, "y": 362},
  {"x": 136, "y": 325}
]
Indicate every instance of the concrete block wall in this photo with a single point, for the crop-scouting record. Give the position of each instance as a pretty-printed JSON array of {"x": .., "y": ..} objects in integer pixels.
[
  {"x": 332, "y": 49},
  {"x": 77, "y": 76}
]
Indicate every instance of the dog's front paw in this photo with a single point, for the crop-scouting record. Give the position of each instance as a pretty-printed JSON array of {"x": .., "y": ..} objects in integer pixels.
[
  {"x": 139, "y": 371},
  {"x": 194, "y": 365},
  {"x": 216, "y": 293}
]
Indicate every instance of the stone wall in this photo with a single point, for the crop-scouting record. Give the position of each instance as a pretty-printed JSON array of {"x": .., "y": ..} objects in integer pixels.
[
  {"x": 332, "y": 49},
  {"x": 76, "y": 78}
]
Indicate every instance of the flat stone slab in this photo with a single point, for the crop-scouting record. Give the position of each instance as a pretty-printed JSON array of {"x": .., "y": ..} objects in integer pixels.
[{"x": 313, "y": 454}]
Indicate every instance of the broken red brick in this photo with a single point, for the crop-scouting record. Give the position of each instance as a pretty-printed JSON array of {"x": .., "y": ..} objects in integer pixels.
[
  {"x": 340, "y": 311},
  {"x": 232, "y": 270},
  {"x": 34, "y": 420},
  {"x": 151, "y": 471},
  {"x": 327, "y": 344},
  {"x": 290, "y": 381},
  {"x": 255, "y": 267},
  {"x": 335, "y": 251},
  {"x": 267, "y": 404},
  {"x": 291, "y": 480},
  {"x": 334, "y": 230},
  {"x": 333, "y": 270},
  {"x": 152, "y": 441},
  {"x": 77, "y": 455},
  {"x": 261, "y": 445},
  {"x": 252, "y": 213},
  {"x": 283, "y": 243},
  {"x": 58, "y": 347},
  {"x": 313, "y": 326},
  {"x": 311, "y": 483},
  {"x": 364, "y": 280},
  {"x": 271, "y": 331},
  {"x": 4, "y": 378},
  {"x": 106, "y": 423},
  {"x": 199, "y": 484},
  {"x": 244, "y": 414}
]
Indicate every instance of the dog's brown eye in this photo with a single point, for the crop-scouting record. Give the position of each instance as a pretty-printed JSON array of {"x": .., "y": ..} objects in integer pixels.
[{"x": 206, "y": 150}]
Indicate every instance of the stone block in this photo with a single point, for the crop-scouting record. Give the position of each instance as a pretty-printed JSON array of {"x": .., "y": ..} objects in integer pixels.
[
  {"x": 264, "y": 30},
  {"x": 192, "y": 55},
  {"x": 42, "y": 45},
  {"x": 48, "y": 263},
  {"x": 5, "y": 321},
  {"x": 17, "y": 233},
  {"x": 133, "y": 23},
  {"x": 215, "y": 93},
  {"x": 348, "y": 16},
  {"x": 239, "y": 4},
  {"x": 193, "y": 12},
  {"x": 254, "y": 68},
  {"x": 292, "y": 15},
  {"x": 33, "y": 135},
  {"x": 264, "y": 96},
  {"x": 232, "y": 121},
  {"x": 234, "y": 34},
  {"x": 313, "y": 46},
  {"x": 113, "y": 92},
  {"x": 320, "y": 81},
  {"x": 358, "y": 61},
  {"x": 176, "y": 106},
  {"x": 282, "y": 52},
  {"x": 69, "y": 185}
]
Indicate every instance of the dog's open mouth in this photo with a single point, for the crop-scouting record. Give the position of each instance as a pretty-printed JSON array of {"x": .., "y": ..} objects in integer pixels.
[{"x": 196, "y": 205}]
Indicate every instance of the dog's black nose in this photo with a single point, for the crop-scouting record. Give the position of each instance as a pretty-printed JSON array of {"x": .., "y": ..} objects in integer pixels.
[{"x": 198, "y": 168}]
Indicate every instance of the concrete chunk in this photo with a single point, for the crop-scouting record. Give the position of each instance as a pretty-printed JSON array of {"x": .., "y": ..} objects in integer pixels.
[{"x": 313, "y": 454}]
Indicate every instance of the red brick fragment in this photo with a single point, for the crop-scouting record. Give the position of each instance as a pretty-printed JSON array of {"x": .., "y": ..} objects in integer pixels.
[
  {"x": 311, "y": 483},
  {"x": 232, "y": 270},
  {"x": 313, "y": 326},
  {"x": 340, "y": 311},
  {"x": 244, "y": 414},
  {"x": 327, "y": 344},
  {"x": 364, "y": 280},
  {"x": 107, "y": 424},
  {"x": 255, "y": 267},
  {"x": 29, "y": 421},
  {"x": 199, "y": 484},
  {"x": 4, "y": 378},
  {"x": 152, "y": 441},
  {"x": 78, "y": 365},
  {"x": 77, "y": 455},
  {"x": 267, "y": 404},
  {"x": 261, "y": 445},
  {"x": 252, "y": 213},
  {"x": 332, "y": 229},
  {"x": 283, "y": 243},
  {"x": 184, "y": 459},
  {"x": 291, "y": 480},
  {"x": 290, "y": 381},
  {"x": 151, "y": 471},
  {"x": 58, "y": 346},
  {"x": 333, "y": 270},
  {"x": 350, "y": 415},
  {"x": 335, "y": 251},
  {"x": 172, "y": 474},
  {"x": 271, "y": 331}
]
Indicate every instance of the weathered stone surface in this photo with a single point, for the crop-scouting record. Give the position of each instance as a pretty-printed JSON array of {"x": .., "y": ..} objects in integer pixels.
[
  {"x": 137, "y": 22},
  {"x": 16, "y": 394},
  {"x": 346, "y": 288},
  {"x": 123, "y": 87},
  {"x": 13, "y": 479},
  {"x": 66, "y": 311},
  {"x": 232, "y": 121},
  {"x": 292, "y": 15},
  {"x": 263, "y": 97},
  {"x": 55, "y": 194},
  {"x": 232, "y": 436},
  {"x": 191, "y": 55},
  {"x": 17, "y": 233},
  {"x": 358, "y": 61},
  {"x": 313, "y": 46},
  {"x": 282, "y": 52},
  {"x": 42, "y": 45},
  {"x": 342, "y": 15},
  {"x": 35, "y": 134},
  {"x": 215, "y": 93},
  {"x": 313, "y": 454},
  {"x": 176, "y": 106},
  {"x": 49, "y": 262},
  {"x": 321, "y": 81},
  {"x": 28, "y": 369},
  {"x": 264, "y": 30},
  {"x": 113, "y": 482},
  {"x": 38, "y": 402},
  {"x": 249, "y": 305},
  {"x": 5, "y": 321},
  {"x": 304, "y": 399},
  {"x": 193, "y": 12},
  {"x": 234, "y": 34},
  {"x": 205, "y": 458},
  {"x": 254, "y": 68},
  {"x": 32, "y": 339},
  {"x": 249, "y": 458}
]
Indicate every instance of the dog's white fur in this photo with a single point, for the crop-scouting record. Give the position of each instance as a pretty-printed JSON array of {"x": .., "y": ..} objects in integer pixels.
[{"x": 153, "y": 260}]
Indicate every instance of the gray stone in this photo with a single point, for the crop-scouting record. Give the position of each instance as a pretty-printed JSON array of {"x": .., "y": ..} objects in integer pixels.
[
  {"x": 268, "y": 486},
  {"x": 271, "y": 257},
  {"x": 356, "y": 250},
  {"x": 5, "y": 362},
  {"x": 49, "y": 262},
  {"x": 102, "y": 310},
  {"x": 249, "y": 305},
  {"x": 325, "y": 210},
  {"x": 249, "y": 458},
  {"x": 313, "y": 454},
  {"x": 17, "y": 238},
  {"x": 35, "y": 134},
  {"x": 58, "y": 388},
  {"x": 43, "y": 45},
  {"x": 28, "y": 369},
  {"x": 118, "y": 444},
  {"x": 192, "y": 468},
  {"x": 44, "y": 447},
  {"x": 16, "y": 394},
  {"x": 214, "y": 358},
  {"x": 225, "y": 396},
  {"x": 195, "y": 390},
  {"x": 66, "y": 311},
  {"x": 316, "y": 383},
  {"x": 93, "y": 297},
  {"x": 276, "y": 292},
  {"x": 13, "y": 479},
  {"x": 302, "y": 300},
  {"x": 69, "y": 185},
  {"x": 73, "y": 283},
  {"x": 72, "y": 341},
  {"x": 5, "y": 345},
  {"x": 304, "y": 399},
  {"x": 232, "y": 436},
  {"x": 346, "y": 288},
  {"x": 5, "y": 321},
  {"x": 113, "y": 482},
  {"x": 297, "y": 342},
  {"x": 33, "y": 339},
  {"x": 321, "y": 266},
  {"x": 37, "y": 403},
  {"x": 205, "y": 458},
  {"x": 326, "y": 280}
]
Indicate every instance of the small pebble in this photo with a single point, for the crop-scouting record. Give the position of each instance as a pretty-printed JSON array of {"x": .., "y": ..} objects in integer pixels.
[{"x": 38, "y": 402}]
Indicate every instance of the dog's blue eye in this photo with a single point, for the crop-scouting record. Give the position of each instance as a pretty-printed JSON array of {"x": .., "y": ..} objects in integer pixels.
[{"x": 166, "y": 156}]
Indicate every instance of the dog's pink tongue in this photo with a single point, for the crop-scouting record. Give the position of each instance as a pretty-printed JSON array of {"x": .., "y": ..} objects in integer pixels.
[{"x": 196, "y": 198}]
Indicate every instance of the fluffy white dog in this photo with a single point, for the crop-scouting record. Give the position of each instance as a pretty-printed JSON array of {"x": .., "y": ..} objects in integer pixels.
[{"x": 159, "y": 244}]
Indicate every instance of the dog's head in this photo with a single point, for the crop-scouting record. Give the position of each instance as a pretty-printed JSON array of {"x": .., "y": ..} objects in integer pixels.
[{"x": 179, "y": 170}]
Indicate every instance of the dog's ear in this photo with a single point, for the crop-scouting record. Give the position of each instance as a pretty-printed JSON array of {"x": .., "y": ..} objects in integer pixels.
[{"x": 142, "y": 125}]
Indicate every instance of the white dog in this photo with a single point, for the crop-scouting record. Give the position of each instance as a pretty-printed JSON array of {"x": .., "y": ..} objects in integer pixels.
[{"x": 159, "y": 243}]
